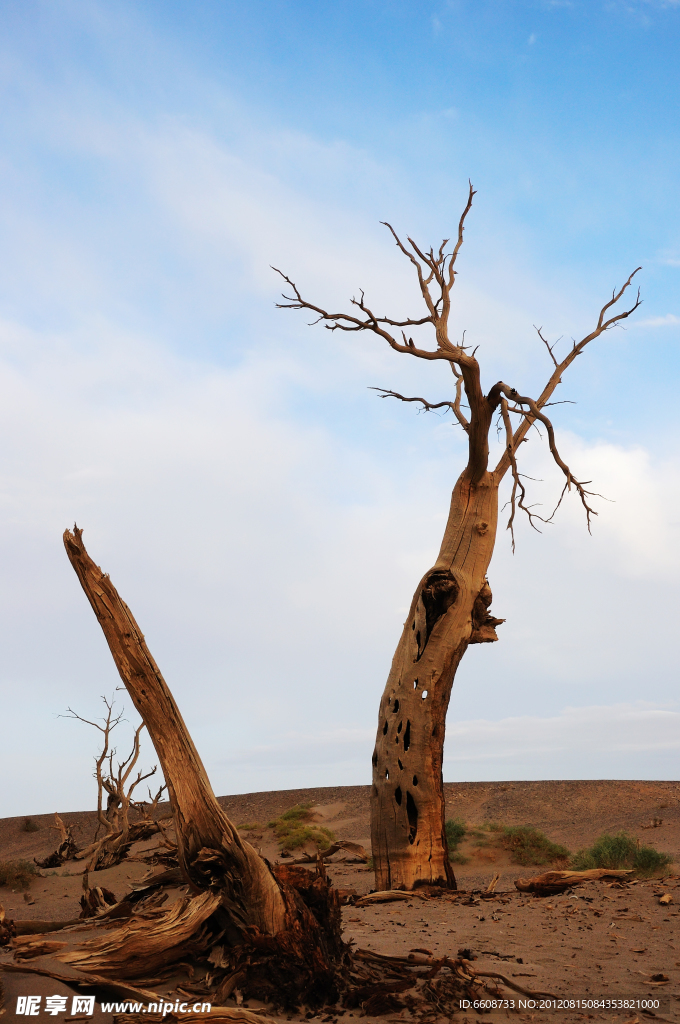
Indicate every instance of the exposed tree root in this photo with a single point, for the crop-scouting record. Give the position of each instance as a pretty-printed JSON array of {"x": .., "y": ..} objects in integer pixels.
[
  {"x": 148, "y": 943},
  {"x": 281, "y": 970}
]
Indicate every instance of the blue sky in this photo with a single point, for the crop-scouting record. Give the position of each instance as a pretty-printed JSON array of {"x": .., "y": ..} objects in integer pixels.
[{"x": 263, "y": 513}]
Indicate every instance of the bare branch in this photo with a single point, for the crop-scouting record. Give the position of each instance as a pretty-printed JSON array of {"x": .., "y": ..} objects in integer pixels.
[
  {"x": 430, "y": 267},
  {"x": 458, "y": 413},
  {"x": 576, "y": 350},
  {"x": 461, "y": 228},
  {"x": 532, "y": 414},
  {"x": 430, "y": 406},
  {"x": 547, "y": 344},
  {"x": 517, "y": 485}
]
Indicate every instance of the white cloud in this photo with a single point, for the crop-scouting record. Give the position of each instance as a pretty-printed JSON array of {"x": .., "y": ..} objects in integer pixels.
[
  {"x": 636, "y": 740},
  {"x": 669, "y": 320}
]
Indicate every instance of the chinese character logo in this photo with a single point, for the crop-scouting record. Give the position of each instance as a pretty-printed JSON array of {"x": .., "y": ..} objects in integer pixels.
[
  {"x": 55, "y": 1005},
  {"x": 28, "y": 1006},
  {"x": 82, "y": 1004}
]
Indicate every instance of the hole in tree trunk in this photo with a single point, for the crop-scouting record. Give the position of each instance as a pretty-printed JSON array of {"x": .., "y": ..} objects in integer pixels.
[
  {"x": 387, "y": 773},
  {"x": 385, "y": 729},
  {"x": 397, "y": 795},
  {"x": 407, "y": 735},
  {"x": 395, "y": 709},
  {"x": 399, "y": 727},
  {"x": 415, "y": 684},
  {"x": 415, "y": 780},
  {"x": 424, "y": 694},
  {"x": 412, "y": 814},
  {"x": 375, "y": 758},
  {"x": 400, "y": 764},
  {"x": 438, "y": 594}
]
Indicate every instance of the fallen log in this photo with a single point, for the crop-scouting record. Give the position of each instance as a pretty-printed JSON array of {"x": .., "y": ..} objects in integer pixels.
[
  {"x": 388, "y": 896},
  {"x": 40, "y": 927},
  {"x": 344, "y": 845},
  {"x": 84, "y": 981},
  {"x": 552, "y": 882}
]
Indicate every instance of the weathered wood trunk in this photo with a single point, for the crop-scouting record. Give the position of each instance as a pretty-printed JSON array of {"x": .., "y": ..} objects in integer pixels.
[
  {"x": 211, "y": 851},
  {"x": 448, "y": 612},
  {"x": 450, "y": 606}
]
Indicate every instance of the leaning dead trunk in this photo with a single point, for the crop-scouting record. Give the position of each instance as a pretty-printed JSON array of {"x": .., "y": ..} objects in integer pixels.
[
  {"x": 448, "y": 612},
  {"x": 284, "y": 932},
  {"x": 211, "y": 851}
]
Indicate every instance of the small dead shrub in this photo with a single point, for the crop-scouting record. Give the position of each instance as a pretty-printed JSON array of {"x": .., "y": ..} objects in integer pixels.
[
  {"x": 17, "y": 874},
  {"x": 30, "y": 826},
  {"x": 525, "y": 844}
]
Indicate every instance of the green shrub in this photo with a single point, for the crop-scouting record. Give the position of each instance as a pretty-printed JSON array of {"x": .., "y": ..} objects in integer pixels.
[
  {"x": 17, "y": 874},
  {"x": 293, "y": 831},
  {"x": 621, "y": 851},
  {"x": 527, "y": 845},
  {"x": 30, "y": 826},
  {"x": 455, "y": 831}
]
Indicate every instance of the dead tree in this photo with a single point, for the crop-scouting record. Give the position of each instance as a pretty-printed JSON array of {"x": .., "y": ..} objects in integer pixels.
[
  {"x": 248, "y": 905},
  {"x": 67, "y": 849},
  {"x": 450, "y": 607},
  {"x": 119, "y": 786}
]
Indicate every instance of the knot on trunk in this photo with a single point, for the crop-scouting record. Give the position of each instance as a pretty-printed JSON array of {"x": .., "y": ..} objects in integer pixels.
[
  {"x": 483, "y": 623},
  {"x": 438, "y": 593}
]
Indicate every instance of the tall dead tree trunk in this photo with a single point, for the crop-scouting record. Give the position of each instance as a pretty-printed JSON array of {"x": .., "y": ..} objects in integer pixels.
[
  {"x": 210, "y": 850},
  {"x": 450, "y": 608},
  {"x": 407, "y": 796}
]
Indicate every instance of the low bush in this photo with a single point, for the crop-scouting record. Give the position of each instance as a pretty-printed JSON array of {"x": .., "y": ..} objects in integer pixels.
[
  {"x": 293, "y": 830},
  {"x": 30, "y": 826},
  {"x": 621, "y": 851},
  {"x": 17, "y": 874},
  {"x": 455, "y": 832},
  {"x": 527, "y": 845}
]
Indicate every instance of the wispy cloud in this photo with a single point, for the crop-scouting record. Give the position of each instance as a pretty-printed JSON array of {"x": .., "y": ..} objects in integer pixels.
[{"x": 669, "y": 320}]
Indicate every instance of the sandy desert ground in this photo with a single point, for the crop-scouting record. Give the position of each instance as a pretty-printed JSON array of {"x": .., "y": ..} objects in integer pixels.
[{"x": 599, "y": 940}]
